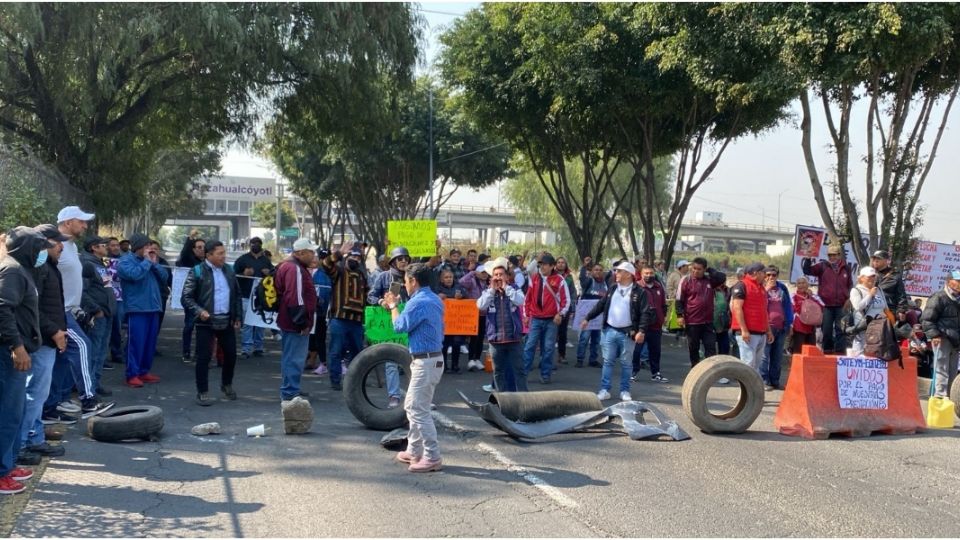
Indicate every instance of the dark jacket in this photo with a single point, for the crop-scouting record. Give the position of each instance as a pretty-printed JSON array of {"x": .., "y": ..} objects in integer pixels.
[
  {"x": 657, "y": 296},
  {"x": 695, "y": 296},
  {"x": 96, "y": 297},
  {"x": 891, "y": 283},
  {"x": 298, "y": 297},
  {"x": 197, "y": 293},
  {"x": 257, "y": 264},
  {"x": 19, "y": 316},
  {"x": 642, "y": 314},
  {"x": 53, "y": 317},
  {"x": 833, "y": 283},
  {"x": 941, "y": 317}
]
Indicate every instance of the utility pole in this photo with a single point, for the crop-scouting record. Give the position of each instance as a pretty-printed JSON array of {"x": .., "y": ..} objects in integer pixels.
[
  {"x": 779, "y": 195},
  {"x": 279, "y": 213},
  {"x": 430, "y": 179}
]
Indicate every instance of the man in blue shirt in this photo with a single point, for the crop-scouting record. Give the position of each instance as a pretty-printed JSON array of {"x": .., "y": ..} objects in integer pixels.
[{"x": 422, "y": 321}]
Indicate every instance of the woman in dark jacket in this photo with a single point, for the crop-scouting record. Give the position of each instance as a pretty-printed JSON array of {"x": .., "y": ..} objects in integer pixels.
[{"x": 192, "y": 254}]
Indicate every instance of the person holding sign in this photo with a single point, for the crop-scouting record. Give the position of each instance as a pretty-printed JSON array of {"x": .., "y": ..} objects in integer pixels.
[
  {"x": 251, "y": 265},
  {"x": 500, "y": 303},
  {"x": 422, "y": 321},
  {"x": 347, "y": 303},
  {"x": 941, "y": 324},
  {"x": 833, "y": 286},
  {"x": 449, "y": 288},
  {"x": 213, "y": 294},
  {"x": 626, "y": 315}
]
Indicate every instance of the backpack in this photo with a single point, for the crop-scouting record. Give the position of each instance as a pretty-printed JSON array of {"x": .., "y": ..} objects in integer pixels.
[
  {"x": 880, "y": 341},
  {"x": 811, "y": 313},
  {"x": 721, "y": 313},
  {"x": 266, "y": 301}
]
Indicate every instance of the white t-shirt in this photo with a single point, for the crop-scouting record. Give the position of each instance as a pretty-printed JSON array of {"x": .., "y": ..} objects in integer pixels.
[
  {"x": 619, "y": 314},
  {"x": 72, "y": 271}
]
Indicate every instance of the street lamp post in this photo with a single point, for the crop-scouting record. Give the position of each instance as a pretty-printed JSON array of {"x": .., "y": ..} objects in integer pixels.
[
  {"x": 430, "y": 198},
  {"x": 779, "y": 195}
]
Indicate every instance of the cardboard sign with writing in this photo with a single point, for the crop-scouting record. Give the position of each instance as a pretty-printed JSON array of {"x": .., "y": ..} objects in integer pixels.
[
  {"x": 179, "y": 278},
  {"x": 583, "y": 309},
  {"x": 862, "y": 383},
  {"x": 419, "y": 236},
  {"x": 460, "y": 318},
  {"x": 378, "y": 326},
  {"x": 929, "y": 267}
]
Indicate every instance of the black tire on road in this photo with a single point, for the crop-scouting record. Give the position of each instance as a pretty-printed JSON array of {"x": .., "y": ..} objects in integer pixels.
[
  {"x": 955, "y": 395},
  {"x": 703, "y": 376},
  {"x": 355, "y": 388},
  {"x": 124, "y": 423}
]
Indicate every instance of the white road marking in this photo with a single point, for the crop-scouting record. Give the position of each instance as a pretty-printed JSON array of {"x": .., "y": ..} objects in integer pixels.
[{"x": 550, "y": 491}]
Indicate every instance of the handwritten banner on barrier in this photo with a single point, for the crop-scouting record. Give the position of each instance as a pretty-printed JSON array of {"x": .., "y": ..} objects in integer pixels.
[
  {"x": 378, "y": 326},
  {"x": 419, "y": 236},
  {"x": 179, "y": 278},
  {"x": 460, "y": 318},
  {"x": 862, "y": 383},
  {"x": 583, "y": 309}
]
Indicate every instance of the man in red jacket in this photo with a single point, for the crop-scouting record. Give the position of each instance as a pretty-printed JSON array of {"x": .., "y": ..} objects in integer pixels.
[
  {"x": 547, "y": 301},
  {"x": 750, "y": 323},
  {"x": 835, "y": 279},
  {"x": 695, "y": 297},
  {"x": 296, "y": 309}
]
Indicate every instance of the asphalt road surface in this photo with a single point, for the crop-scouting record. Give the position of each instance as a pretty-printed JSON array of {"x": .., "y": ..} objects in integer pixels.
[{"x": 338, "y": 481}]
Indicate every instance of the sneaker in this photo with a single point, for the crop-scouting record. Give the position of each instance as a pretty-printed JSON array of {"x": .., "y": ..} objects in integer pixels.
[
  {"x": 20, "y": 474},
  {"x": 633, "y": 376},
  {"x": 93, "y": 407},
  {"x": 204, "y": 399},
  {"x": 603, "y": 395},
  {"x": 407, "y": 457},
  {"x": 134, "y": 382},
  {"x": 228, "y": 392},
  {"x": 464, "y": 349},
  {"x": 58, "y": 418},
  {"x": 68, "y": 407},
  {"x": 258, "y": 353},
  {"x": 659, "y": 378},
  {"x": 28, "y": 458},
  {"x": 321, "y": 370},
  {"x": 107, "y": 366},
  {"x": 187, "y": 359},
  {"x": 487, "y": 388},
  {"x": 625, "y": 396},
  {"x": 769, "y": 388},
  {"x": 426, "y": 465},
  {"x": 544, "y": 380},
  {"x": 103, "y": 392},
  {"x": 9, "y": 486},
  {"x": 723, "y": 380},
  {"x": 570, "y": 345},
  {"x": 150, "y": 378},
  {"x": 46, "y": 449},
  {"x": 393, "y": 403}
]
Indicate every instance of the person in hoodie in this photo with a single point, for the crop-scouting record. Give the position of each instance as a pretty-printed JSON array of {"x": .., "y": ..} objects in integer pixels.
[
  {"x": 141, "y": 275},
  {"x": 450, "y": 289},
  {"x": 835, "y": 280},
  {"x": 547, "y": 303},
  {"x": 780, "y": 317},
  {"x": 695, "y": 301},
  {"x": 295, "y": 314},
  {"x": 98, "y": 300},
  {"x": 20, "y": 335}
]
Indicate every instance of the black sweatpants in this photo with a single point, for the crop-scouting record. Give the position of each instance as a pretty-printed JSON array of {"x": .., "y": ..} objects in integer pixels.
[
  {"x": 227, "y": 339},
  {"x": 698, "y": 334}
]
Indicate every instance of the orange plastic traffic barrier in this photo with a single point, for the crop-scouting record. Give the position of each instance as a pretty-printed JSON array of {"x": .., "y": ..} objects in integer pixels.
[{"x": 877, "y": 397}]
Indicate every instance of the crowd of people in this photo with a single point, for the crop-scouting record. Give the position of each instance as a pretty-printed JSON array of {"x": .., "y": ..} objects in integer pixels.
[{"x": 66, "y": 302}]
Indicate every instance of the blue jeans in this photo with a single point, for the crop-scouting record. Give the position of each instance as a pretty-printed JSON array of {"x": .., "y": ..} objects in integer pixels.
[
  {"x": 593, "y": 337},
  {"x": 99, "y": 341},
  {"x": 13, "y": 393},
  {"x": 292, "y": 360},
  {"x": 614, "y": 352},
  {"x": 77, "y": 355},
  {"x": 508, "y": 367},
  {"x": 752, "y": 352},
  {"x": 773, "y": 358},
  {"x": 346, "y": 341},
  {"x": 251, "y": 336},
  {"x": 543, "y": 332},
  {"x": 142, "y": 331},
  {"x": 38, "y": 387}
]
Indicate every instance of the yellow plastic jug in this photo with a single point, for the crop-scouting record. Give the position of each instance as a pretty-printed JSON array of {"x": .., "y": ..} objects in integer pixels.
[{"x": 940, "y": 411}]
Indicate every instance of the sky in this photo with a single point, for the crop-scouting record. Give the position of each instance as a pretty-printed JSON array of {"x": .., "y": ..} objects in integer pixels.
[{"x": 757, "y": 179}]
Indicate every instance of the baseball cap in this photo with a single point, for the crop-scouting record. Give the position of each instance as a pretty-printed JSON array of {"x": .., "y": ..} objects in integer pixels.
[
  {"x": 51, "y": 232},
  {"x": 867, "y": 271},
  {"x": 499, "y": 262},
  {"x": 73, "y": 212},
  {"x": 626, "y": 267},
  {"x": 304, "y": 243},
  {"x": 481, "y": 268},
  {"x": 682, "y": 262},
  {"x": 753, "y": 268},
  {"x": 954, "y": 274},
  {"x": 514, "y": 260},
  {"x": 880, "y": 254},
  {"x": 548, "y": 259},
  {"x": 355, "y": 252},
  {"x": 93, "y": 241}
]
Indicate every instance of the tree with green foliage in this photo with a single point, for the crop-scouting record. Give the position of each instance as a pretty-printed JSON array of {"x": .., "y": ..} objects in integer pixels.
[
  {"x": 99, "y": 90},
  {"x": 899, "y": 59},
  {"x": 265, "y": 215}
]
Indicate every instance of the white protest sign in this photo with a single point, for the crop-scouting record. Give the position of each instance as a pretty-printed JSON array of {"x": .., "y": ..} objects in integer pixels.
[
  {"x": 583, "y": 309},
  {"x": 929, "y": 267},
  {"x": 813, "y": 242},
  {"x": 179, "y": 278},
  {"x": 862, "y": 383}
]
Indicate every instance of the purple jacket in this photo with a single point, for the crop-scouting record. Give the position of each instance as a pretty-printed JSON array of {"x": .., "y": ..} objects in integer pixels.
[{"x": 473, "y": 285}]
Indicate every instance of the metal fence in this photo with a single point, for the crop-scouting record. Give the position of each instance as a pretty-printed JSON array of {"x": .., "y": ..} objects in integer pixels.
[{"x": 20, "y": 165}]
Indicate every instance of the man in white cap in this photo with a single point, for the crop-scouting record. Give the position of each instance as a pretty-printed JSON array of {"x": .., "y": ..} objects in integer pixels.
[
  {"x": 627, "y": 315},
  {"x": 295, "y": 314}
]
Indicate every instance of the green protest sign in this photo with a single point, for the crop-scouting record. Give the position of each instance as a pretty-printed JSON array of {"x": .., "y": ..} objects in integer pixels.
[
  {"x": 419, "y": 236},
  {"x": 378, "y": 326}
]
